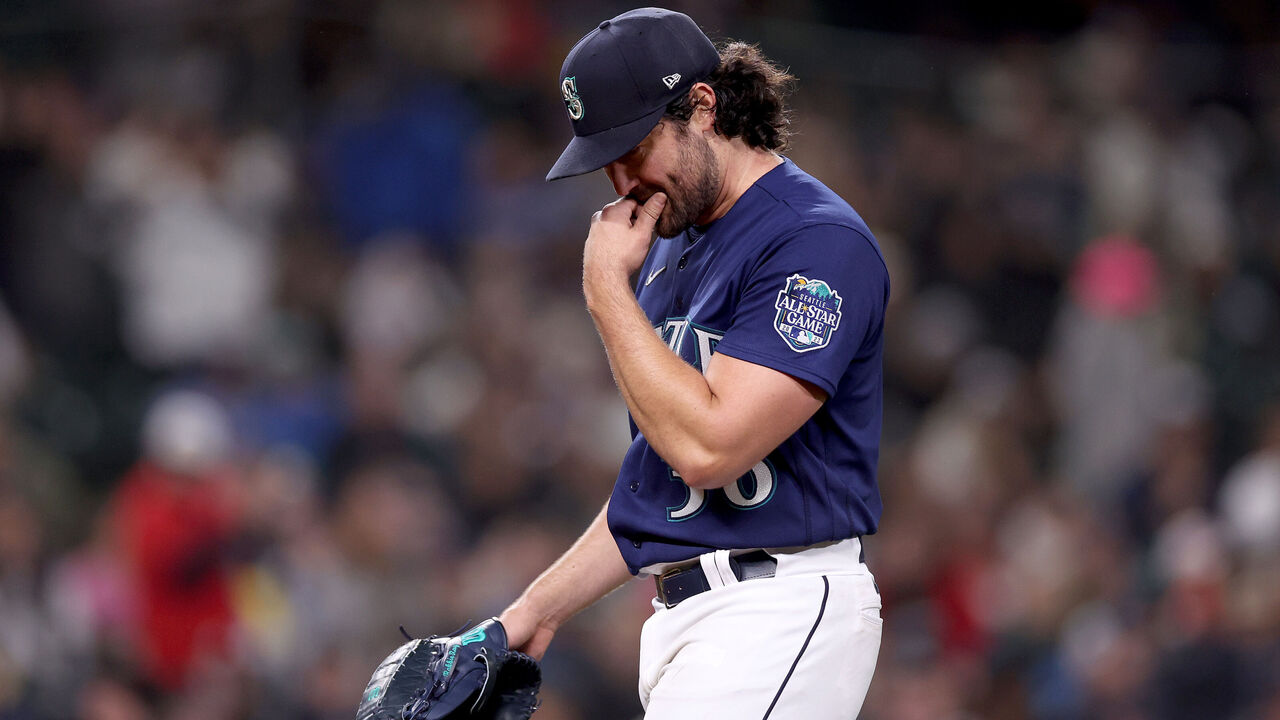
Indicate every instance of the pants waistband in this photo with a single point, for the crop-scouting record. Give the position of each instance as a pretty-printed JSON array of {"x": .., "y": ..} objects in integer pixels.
[
  {"x": 722, "y": 567},
  {"x": 679, "y": 584}
]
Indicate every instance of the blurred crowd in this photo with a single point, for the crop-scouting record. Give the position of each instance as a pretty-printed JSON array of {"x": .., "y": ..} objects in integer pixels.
[{"x": 293, "y": 352}]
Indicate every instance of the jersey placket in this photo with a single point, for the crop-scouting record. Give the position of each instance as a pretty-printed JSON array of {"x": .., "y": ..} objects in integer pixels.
[{"x": 681, "y": 286}]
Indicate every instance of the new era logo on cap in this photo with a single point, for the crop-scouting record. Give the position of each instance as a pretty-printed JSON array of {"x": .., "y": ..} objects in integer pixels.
[{"x": 671, "y": 80}]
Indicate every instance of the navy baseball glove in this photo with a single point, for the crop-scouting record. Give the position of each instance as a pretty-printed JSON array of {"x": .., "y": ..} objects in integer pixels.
[{"x": 471, "y": 676}]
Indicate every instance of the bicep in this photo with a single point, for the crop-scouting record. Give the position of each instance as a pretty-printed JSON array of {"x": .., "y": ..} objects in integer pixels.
[{"x": 757, "y": 407}]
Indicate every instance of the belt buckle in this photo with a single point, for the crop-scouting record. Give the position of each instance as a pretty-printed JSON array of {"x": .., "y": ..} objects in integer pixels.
[{"x": 661, "y": 583}]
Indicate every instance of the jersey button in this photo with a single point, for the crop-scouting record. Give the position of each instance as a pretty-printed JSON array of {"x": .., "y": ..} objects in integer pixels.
[
  {"x": 634, "y": 486},
  {"x": 636, "y": 543},
  {"x": 684, "y": 261}
]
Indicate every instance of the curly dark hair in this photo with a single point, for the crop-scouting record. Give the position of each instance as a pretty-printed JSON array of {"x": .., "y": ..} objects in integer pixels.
[{"x": 751, "y": 93}]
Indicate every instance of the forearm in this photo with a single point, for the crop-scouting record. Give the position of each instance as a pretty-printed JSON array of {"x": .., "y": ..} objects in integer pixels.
[
  {"x": 589, "y": 570},
  {"x": 710, "y": 428},
  {"x": 669, "y": 399}
]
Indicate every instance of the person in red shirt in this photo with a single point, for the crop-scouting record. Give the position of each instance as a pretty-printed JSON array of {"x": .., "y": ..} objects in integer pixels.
[{"x": 174, "y": 512}]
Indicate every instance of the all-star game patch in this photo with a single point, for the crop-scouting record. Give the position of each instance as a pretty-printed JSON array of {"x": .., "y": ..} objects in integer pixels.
[{"x": 808, "y": 313}]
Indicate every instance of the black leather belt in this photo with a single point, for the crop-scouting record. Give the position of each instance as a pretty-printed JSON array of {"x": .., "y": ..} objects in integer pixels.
[{"x": 679, "y": 584}]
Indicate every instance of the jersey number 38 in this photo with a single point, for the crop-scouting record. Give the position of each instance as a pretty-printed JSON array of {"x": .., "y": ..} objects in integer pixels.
[{"x": 747, "y": 493}]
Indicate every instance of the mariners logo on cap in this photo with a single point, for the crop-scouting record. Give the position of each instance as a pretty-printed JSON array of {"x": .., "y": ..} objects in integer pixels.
[
  {"x": 569, "y": 89},
  {"x": 808, "y": 313}
]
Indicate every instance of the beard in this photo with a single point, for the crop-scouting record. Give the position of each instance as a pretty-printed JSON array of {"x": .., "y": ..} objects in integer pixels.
[{"x": 692, "y": 191}]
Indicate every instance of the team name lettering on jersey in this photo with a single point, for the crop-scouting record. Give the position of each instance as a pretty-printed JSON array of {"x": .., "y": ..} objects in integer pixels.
[
  {"x": 673, "y": 332},
  {"x": 751, "y": 490}
]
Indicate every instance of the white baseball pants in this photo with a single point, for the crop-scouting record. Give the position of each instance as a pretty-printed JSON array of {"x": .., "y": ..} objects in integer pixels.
[{"x": 801, "y": 645}]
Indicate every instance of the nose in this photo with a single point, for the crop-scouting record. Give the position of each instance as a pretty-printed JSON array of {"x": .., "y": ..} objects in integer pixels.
[{"x": 623, "y": 181}]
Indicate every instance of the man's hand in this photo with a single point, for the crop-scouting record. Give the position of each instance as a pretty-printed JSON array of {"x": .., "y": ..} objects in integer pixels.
[
  {"x": 619, "y": 240},
  {"x": 525, "y": 633}
]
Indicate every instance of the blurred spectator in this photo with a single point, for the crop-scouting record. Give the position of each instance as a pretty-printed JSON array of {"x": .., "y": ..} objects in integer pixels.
[
  {"x": 1109, "y": 342},
  {"x": 197, "y": 255},
  {"x": 400, "y": 167},
  {"x": 177, "y": 516},
  {"x": 1200, "y": 672},
  {"x": 1250, "y": 495}
]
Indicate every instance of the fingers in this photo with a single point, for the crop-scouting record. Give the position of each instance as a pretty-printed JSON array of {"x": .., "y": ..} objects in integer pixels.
[
  {"x": 652, "y": 209},
  {"x": 647, "y": 217},
  {"x": 628, "y": 208},
  {"x": 537, "y": 645},
  {"x": 622, "y": 208}
]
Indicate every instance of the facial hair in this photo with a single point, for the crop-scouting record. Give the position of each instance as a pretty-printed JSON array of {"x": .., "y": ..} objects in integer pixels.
[{"x": 692, "y": 191}]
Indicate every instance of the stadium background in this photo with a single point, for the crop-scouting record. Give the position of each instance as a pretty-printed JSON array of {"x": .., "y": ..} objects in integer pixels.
[{"x": 292, "y": 347}]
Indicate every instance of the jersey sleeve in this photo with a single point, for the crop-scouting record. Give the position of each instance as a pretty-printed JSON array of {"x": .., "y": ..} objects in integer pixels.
[{"x": 811, "y": 306}]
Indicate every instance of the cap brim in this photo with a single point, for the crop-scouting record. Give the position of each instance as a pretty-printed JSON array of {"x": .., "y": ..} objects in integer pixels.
[{"x": 586, "y": 153}]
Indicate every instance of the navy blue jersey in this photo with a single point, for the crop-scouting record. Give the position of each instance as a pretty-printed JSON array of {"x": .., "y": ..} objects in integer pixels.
[{"x": 792, "y": 279}]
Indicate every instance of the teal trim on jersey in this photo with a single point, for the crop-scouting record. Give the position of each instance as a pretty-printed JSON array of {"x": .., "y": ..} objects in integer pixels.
[
  {"x": 667, "y": 329},
  {"x": 772, "y": 490},
  {"x": 688, "y": 495},
  {"x": 713, "y": 331},
  {"x": 672, "y": 331},
  {"x": 718, "y": 335}
]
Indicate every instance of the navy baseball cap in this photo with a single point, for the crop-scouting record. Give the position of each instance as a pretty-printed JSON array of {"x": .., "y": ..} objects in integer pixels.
[{"x": 619, "y": 78}]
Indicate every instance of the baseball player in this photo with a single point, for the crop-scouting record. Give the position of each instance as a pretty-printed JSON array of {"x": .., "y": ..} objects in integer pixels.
[{"x": 748, "y": 350}]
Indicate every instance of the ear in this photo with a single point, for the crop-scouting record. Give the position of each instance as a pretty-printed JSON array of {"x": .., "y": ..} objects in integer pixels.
[{"x": 704, "y": 107}]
